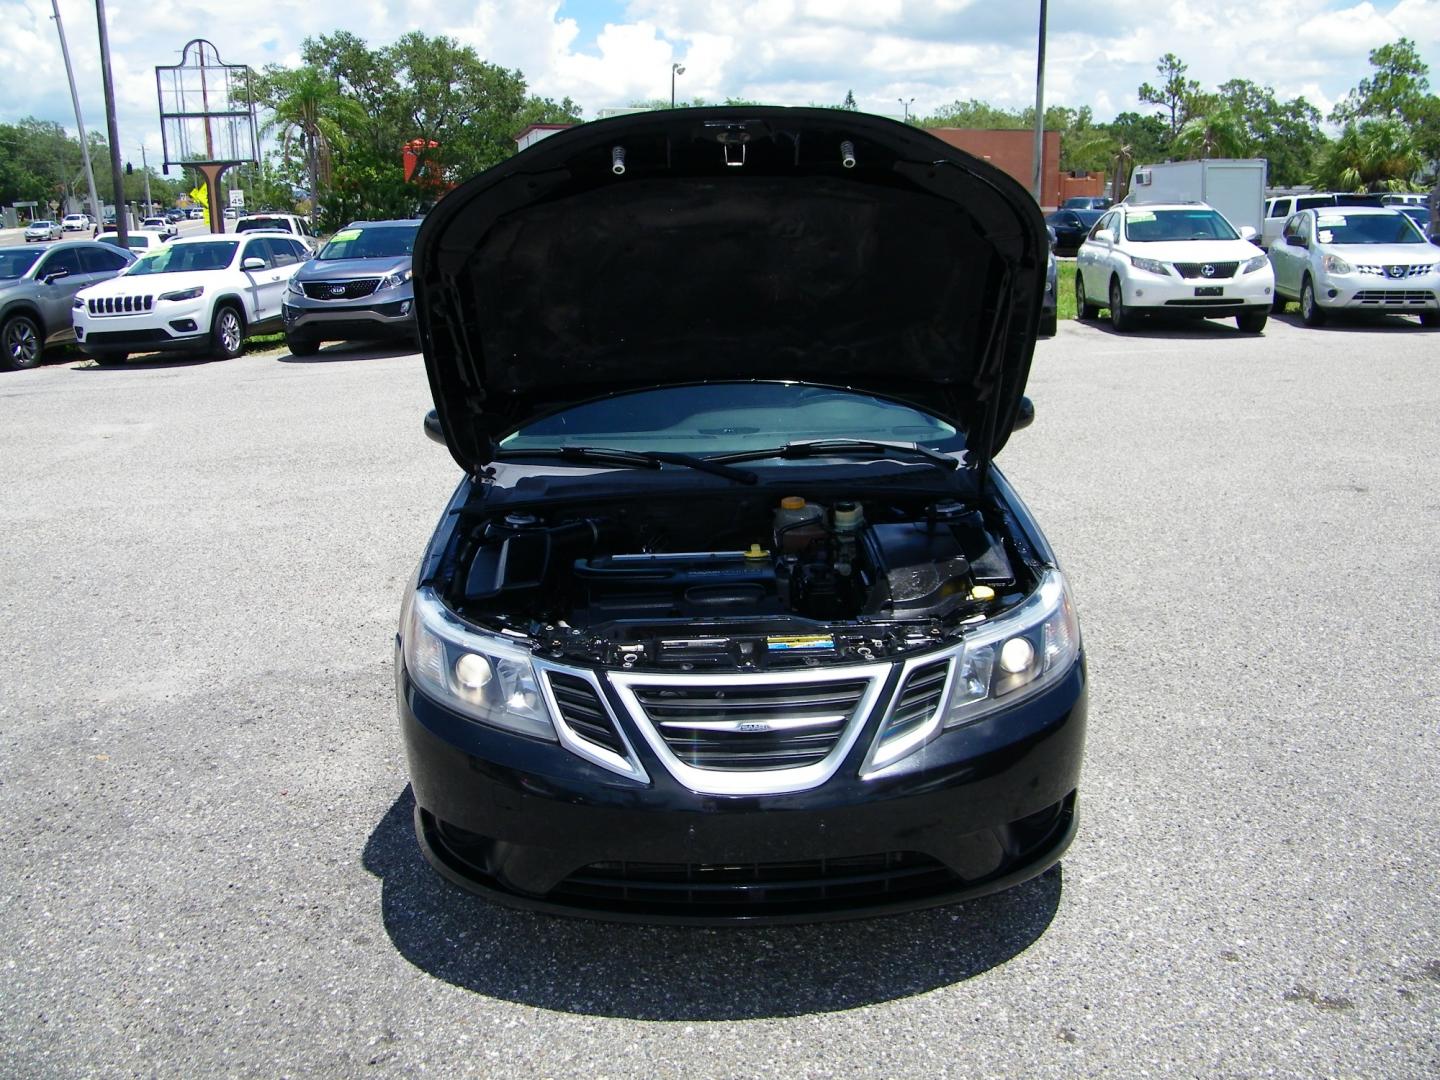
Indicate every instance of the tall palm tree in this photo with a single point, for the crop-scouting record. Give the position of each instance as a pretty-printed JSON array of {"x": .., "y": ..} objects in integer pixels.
[
  {"x": 1217, "y": 132},
  {"x": 310, "y": 110},
  {"x": 1370, "y": 156}
]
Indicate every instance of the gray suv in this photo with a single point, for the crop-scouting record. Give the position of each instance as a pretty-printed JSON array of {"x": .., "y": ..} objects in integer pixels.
[
  {"x": 37, "y": 292},
  {"x": 356, "y": 287}
]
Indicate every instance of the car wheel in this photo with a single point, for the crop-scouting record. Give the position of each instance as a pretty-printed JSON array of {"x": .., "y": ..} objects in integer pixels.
[
  {"x": 302, "y": 346},
  {"x": 20, "y": 342},
  {"x": 227, "y": 332},
  {"x": 1120, "y": 318},
  {"x": 1251, "y": 322},
  {"x": 1083, "y": 308},
  {"x": 1430, "y": 319},
  {"x": 1277, "y": 303},
  {"x": 1310, "y": 309},
  {"x": 112, "y": 359}
]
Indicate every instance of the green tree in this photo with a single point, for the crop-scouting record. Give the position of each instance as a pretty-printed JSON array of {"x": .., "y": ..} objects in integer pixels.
[
  {"x": 1218, "y": 131},
  {"x": 1398, "y": 88},
  {"x": 1371, "y": 155},
  {"x": 311, "y": 114},
  {"x": 1175, "y": 95},
  {"x": 974, "y": 114}
]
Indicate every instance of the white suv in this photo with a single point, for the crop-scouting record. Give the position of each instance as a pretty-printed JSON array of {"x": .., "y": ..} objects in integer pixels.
[
  {"x": 1176, "y": 258},
  {"x": 75, "y": 222},
  {"x": 198, "y": 293}
]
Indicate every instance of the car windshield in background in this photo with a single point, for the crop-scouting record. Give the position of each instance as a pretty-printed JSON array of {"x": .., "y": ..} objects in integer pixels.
[
  {"x": 379, "y": 242},
  {"x": 215, "y": 255},
  {"x": 13, "y": 264},
  {"x": 251, "y": 224},
  {"x": 1333, "y": 227},
  {"x": 728, "y": 417},
  {"x": 1156, "y": 226}
]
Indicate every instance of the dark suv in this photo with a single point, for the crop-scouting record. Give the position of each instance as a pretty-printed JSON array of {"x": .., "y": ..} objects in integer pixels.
[
  {"x": 732, "y": 616},
  {"x": 37, "y": 294},
  {"x": 356, "y": 287}
]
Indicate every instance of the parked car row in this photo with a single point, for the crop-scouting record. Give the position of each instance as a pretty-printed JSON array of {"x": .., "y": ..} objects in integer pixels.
[{"x": 1186, "y": 259}]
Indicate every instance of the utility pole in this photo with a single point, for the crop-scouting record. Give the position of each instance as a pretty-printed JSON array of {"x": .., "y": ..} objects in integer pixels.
[
  {"x": 95, "y": 208},
  {"x": 122, "y": 226},
  {"x": 1039, "y": 178},
  {"x": 149, "y": 206}
]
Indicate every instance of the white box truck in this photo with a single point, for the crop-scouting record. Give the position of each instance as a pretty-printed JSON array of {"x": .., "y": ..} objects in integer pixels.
[{"x": 1234, "y": 186}]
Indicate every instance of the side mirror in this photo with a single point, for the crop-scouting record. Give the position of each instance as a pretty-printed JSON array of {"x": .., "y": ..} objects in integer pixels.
[
  {"x": 432, "y": 427},
  {"x": 1296, "y": 241},
  {"x": 254, "y": 262},
  {"x": 1107, "y": 235},
  {"x": 1054, "y": 239},
  {"x": 53, "y": 276},
  {"x": 1247, "y": 232},
  {"x": 1025, "y": 414}
]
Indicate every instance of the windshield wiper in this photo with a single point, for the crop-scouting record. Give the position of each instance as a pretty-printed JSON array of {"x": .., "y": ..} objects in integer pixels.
[
  {"x": 803, "y": 448},
  {"x": 635, "y": 459}
]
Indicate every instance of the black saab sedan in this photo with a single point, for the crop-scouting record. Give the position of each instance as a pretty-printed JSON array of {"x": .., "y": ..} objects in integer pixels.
[{"x": 732, "y": 617}]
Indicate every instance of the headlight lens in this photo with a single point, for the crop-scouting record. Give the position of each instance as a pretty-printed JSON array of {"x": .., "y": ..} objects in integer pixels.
[
  {"x": 1149, "y": 265},
  {"x": 77, "y": 304},
  {"x": 395, "y": 280},
  {"x": 1000, "y": 663},
  {"x": 1333, "y": 264},
  {"x": 1259, "y": 262},
  {"x": 295, "y": 287},
  {"x": 184, "y": 294},
  {"x": 482, "y": 676}
]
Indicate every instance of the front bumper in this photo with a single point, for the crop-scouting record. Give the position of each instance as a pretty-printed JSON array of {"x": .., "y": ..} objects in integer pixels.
[
  {"x": 323, "y": 320},
  {"x": 529, "y": 824},
  {"x": 172, "y": 325},
  {"x": 1143, "y": 291},
  {"x": 1380, "y": 294}
]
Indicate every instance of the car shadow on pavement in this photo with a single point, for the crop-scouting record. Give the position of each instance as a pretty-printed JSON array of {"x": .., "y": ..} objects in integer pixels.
[
  {"x": 688, "y": 973},
  {"x": 1361, "y": 323},
  {"x": 148, "y": 363},
  {"x": 344, "y": 350},
  {"x": 1178, "y": 328}
]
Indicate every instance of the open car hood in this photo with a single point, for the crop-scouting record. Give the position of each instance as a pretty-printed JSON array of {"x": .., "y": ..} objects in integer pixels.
[{"x": 810, "y": 245}]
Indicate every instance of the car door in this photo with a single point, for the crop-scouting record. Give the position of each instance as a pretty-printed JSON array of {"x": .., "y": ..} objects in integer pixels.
[
  {"x": 269, "y": 282},
  {"x": 1089, "y": 259},
  {"x": 1285, "y": 258},
  {"x": 58, "y": 277}
]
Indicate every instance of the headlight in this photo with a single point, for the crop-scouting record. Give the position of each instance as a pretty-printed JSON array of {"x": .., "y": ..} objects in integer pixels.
[
  {"x": 1000, "y": 663},
  {"x": 1149, "y": 265},
  {"x": 184, "y": 294},
  {"x": 295, "y": 286},
  {"x": 395, "y": 280},
  {"x": 78, "y": 304},
  {"x": 1259, "y": 262},
  {"x": 1333, "y": 264},
  {"x": 482, "y": 676}
]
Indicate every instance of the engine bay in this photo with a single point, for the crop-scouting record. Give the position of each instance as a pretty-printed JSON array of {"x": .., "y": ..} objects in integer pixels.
[{"x": 748, "y": 582}]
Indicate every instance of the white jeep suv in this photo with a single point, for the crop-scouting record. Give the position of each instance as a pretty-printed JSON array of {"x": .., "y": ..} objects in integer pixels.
[
  {"x": 199, "y": 293},
  {"x": 1175, "y": 258}
]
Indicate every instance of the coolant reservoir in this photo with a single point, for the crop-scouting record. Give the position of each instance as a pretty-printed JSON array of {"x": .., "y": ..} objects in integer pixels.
[{"x": 798, "y": 524}]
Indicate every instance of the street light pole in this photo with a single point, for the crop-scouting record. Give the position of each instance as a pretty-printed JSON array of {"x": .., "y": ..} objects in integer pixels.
[
  {"x": 149, "y": 206},
  {"x": 675, "y": 69},
  {"x": 95, "y": 207},
  {"x": 122, "y": 226},
  {"x": 1039, "y": 178},
  {"x": 906, "y": 106}
]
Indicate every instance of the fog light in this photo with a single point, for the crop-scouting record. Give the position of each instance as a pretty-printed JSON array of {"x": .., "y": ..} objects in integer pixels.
[
  {"x": 1332, "y": 293},
  {"x": 1016, "y": 655},
  {"x": 405, "y": 308}
]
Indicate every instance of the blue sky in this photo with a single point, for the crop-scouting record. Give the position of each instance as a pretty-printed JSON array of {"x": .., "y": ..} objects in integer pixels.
[{"x": 604, "y": 53}]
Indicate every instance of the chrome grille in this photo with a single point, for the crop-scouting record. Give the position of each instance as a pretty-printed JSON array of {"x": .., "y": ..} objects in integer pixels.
[
  {"x": 340, "y": 290},
  {"x": 766, "y": 726},
  {"x": 582, "y": 710},
  {"x": 1416, "y": 297},
  {"x": 1197, "y": 270},
  {"x": 1395, "y": 271},
  {"x": 119, "y": 305},
  {"x": 919, "y": 699}
]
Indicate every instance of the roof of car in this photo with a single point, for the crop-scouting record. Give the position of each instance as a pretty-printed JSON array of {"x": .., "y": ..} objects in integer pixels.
[
  {"x": 1358, "y": 210},
  {"x": 387, "y": 221}
]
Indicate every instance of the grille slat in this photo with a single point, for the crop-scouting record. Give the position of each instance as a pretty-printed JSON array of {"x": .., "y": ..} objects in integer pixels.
[
  {"x": 919, "y": 698},
  {"x": 582, "y": 710},
  {"x": 340, "y": 290},
  {"x": 1418, "y": 297},
  {"x": 823, "y": 709},
  {"x": 1196, "y": 270},
  {"x": 120, "y": 305}
]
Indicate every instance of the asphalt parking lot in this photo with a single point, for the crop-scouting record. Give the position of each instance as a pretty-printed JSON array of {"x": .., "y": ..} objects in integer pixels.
[{"x": 208, "y": 866}]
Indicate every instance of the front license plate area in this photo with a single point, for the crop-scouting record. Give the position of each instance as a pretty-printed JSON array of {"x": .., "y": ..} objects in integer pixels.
[{"x": 1209, "y": 290}]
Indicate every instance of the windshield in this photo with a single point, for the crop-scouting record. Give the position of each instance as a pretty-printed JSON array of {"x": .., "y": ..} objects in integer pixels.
[
  {"x": 1157, "y": 226},
  {"x": 251, "y": 223},
  {"x": 179, "y": 257},
  {"x": 13, "y": 264},
  {"x": 724, "y": 417},
  {"x": 375, "y": 242},
  {"x": 1392, "y": 228}
]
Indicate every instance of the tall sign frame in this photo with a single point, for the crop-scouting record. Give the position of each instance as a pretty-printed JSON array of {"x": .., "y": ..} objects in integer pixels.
[{"x": 207, "y": 117}]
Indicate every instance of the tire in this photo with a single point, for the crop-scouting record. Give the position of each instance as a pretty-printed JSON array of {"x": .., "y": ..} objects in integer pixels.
[
  {"x": 111, "y": 359},
  {"x": 1310, "y": 310},
  {"x": 1277, "y": 303},
  {"x": 1083, "y": 308},
  {"x": 227, "y": 332},
  {"x": 21, "y": 343},
  {"x": 1252, "y": 322},
  {"x": 1120, "y": 319},
  {"x": 1430, "y": 319},
  {"x": 302, "y": 346}
]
